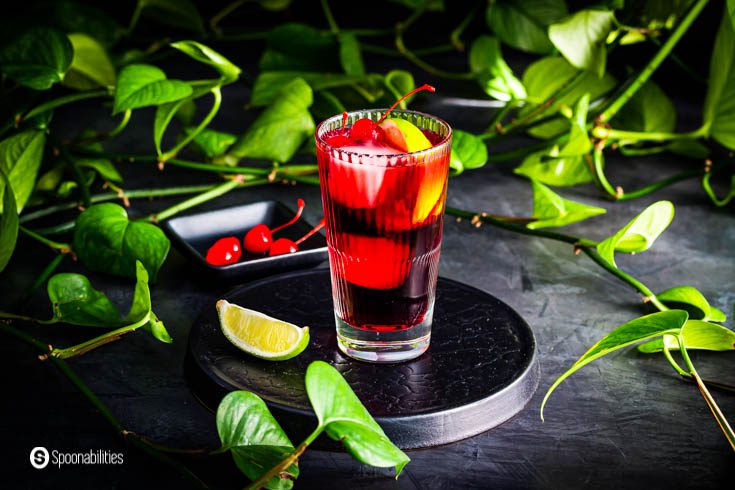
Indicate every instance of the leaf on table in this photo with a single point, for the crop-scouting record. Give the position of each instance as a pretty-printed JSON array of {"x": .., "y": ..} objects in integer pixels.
[
  {"x": 105, "y": 240},
  {"x": 689, "y": 295},
  {"x": 468, "y": 152},
  {"x": 176, "y": 13},
  {"x": 350, "y": 54},
  {"x": 634, "y": 331},
  {"x": 566, "y": 165},
  {"x": 75, "y": 301},
  {"x": 492, "y": 72},
  {"x": 640, "y": 233},
  {"x": 718, "y": 113},
  {"x": 204, "y": 54},
  {"x": 580, "y": 38},
  {"x": 211, "y": 143},
  {"x": 315, "y": 50},
  {"x": 698, "y": 334},
  {"x": 545, "y": 77},
  {"x": 649, "y": 110},
  {"x": 8, "y": 223},
  {"x": 523, "y": 24},
  {"x": 280, "y": 129},
  {"x": 256, "y": 440},
  {"x": 20, "y": 159},
  {"x": 91, "y": 66},
  {"x": 140, "y": 85},
  {"x": 38, "y": 58},
  {"x": 346, "y": 419},
  {"x": 550, "y": 209},
  {"x": 270, "y": 83}
]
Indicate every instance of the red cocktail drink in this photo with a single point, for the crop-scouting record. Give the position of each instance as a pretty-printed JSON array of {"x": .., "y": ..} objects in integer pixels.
[{"x": 384, "y": 213}]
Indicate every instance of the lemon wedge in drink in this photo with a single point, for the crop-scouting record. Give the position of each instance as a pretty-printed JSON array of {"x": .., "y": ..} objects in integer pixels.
[{"x": 260, "y": 335}]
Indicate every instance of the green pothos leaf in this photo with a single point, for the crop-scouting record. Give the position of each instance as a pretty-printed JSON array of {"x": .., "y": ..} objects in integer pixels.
[
  {"x": 640, "y": 233},
  {"x": 581, "y": 38},
  {"x": 697, "y": 334},
  {"x": 142, "y": 85},
  {"x": 20, "y": 159},
  {"x": 492, "y": 72},
  {"x": 204, "y": 54},
  {"x": 91, "y": 66},
  {"x": 38, "y": 58},
  {"x": 350, "y": 54},
  {"x": 645, "y": 327},
  {"x": 468, "y": 152},
  {"x": 8, "y": 224},
  {"x": 719, "y": 104},
  {"x": 523, "y": 23},
  {"x": 688, "y": 295},
  {"x": 550, "y": 209}
]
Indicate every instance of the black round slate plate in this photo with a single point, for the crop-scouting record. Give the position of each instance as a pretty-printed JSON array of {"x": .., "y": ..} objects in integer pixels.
[{"x": 479, "y": 371}]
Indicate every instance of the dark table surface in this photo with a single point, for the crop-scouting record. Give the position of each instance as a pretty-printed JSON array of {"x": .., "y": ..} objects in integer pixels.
[{"x": 625, "y": 421}]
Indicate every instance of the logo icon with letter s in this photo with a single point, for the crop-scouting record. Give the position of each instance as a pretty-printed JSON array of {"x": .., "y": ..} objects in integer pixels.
[{"x": 39, "y": 457}]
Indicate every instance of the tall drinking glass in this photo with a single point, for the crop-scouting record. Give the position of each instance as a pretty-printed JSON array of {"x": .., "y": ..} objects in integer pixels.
[{"x": 384, "y": 216}]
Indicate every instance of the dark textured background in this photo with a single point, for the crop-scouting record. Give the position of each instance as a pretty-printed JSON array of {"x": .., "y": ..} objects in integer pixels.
[{"x": 625, "y": 421}]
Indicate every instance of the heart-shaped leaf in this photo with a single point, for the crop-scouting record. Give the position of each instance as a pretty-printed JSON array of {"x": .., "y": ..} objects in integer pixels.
[
  {"x": 38, "y": 58},
  {"x": 141, "y": 85},
  {"x": 468, "y": 151},
  {"x": 649, "y": 110},
  {"x": 346, "y": 419},
  {"x": 492, "y": 72},
  {"x": 247, "y": 428},
  {"x": 640, "y": 233},
  {"x": 20, "y": 159},
  {"x": 279, "y": 131},
  {"x": 550, "y": 209},
  {"x": 691, "y": 296},
  {"x": 545, "y": 77},
  {"x": 106, "y": 241},
  {"x": 523, "y": 23},
  {"x": 645, "y": 327},
  {"x": 697, "y": 334},
  {"x": 315, "y": 50},
  {"x": 75, "y": 301},
  {"x": 90, "y": 67},
  {"x": 719, "y": 104},
  {"x": 270, "y": 83},
  {"x": 104, "y": 167},
  {"x": 204, "y": 54},
  {"x": 350, "y": 54},
  {"x": 581, "y": 38},
  {"x": 8, "y": 224},
  {"x": 212, "y": 143}
]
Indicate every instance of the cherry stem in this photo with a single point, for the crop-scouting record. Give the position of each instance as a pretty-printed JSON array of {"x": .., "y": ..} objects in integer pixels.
[
  {"x": 300, "y": 203},
  {"x": 344, "y": 123},
  {"x": 419, "y": 89},
  {"x": 318, "y": 227}
]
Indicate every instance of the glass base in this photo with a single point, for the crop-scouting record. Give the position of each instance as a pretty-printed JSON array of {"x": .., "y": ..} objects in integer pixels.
[{"x": 384, "y": 347}]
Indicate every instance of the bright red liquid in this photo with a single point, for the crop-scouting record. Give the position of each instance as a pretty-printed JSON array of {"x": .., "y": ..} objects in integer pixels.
[{"x": 384, "y": 228}]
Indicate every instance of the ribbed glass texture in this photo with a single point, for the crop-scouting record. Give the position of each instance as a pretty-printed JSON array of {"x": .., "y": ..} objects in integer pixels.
[{"x": 384, "y": 218}]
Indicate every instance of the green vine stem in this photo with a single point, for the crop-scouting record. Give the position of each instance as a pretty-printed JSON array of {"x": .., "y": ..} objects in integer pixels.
[
  {"x": 711, "y": 403},
  {"x": 112, "y": 196},
  {"x": 44, "y": 275},
  {"x": 598, "y": 163},
  {"x": 129, "y": 437},
  {"x": 616, "y": 134},
  {"x": 719, "y": 202},
  {"x": 106, "y": 338},
  {"x": 637, "y": 82},
  {"x": 456, "y": 34},
  {"x": 61, "y": 247},
  {"x": 333, "y": 27},
  {"x": 651, "y": 188},
  {"x": 226, "y": 11},
  {"x": 216, "y": 102},
  {"x": 286, "y": 462},
  {"x": 67, "y": 99}
]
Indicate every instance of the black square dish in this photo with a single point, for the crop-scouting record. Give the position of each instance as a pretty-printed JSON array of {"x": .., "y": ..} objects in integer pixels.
[{"x": 193, "y": 234}]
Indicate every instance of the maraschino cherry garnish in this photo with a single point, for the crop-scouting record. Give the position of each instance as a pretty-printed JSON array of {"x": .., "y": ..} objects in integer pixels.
[
  {"x": 224, "y": 251},
  {"x": 340, "y": 139},
  {"x": 260, "y": 238},
  {"x": 286, "y": 246}
]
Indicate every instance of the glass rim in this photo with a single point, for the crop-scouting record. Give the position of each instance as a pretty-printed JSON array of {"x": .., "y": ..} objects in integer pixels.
[{"x": 338, "y": 117}]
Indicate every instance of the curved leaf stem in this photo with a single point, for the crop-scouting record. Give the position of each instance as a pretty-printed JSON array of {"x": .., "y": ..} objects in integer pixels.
[
  {"x": 61, "y": 247},
  {"x": 455, "y": 35},
  {"x": 617, "y": 134},
  {"x": 216, "y": 102},
  {"x": 637, "y": 82},
  {"x": 44, "y": 275},
  {"x": 106, "y": 338},
  {"x": 333, "y": 27},
  {"x": 286, "y": 462},
  {"x": 670, "y": 358},
  {"x": 708, "y": 398},
  {"x": 598, "y": 163},
  {"x": 719, "y": 202},
  {"x": 224, "y": 12},
  {"x": 58, "y": 102},
  {"x": 651, "y": 188},
  {"x": 99, "y": 406}
]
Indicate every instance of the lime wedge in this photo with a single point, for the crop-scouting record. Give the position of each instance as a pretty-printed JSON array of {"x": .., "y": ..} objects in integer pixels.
[
  {"x": 260, "y": 335},
  {"x": 405, "y": 136}
]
